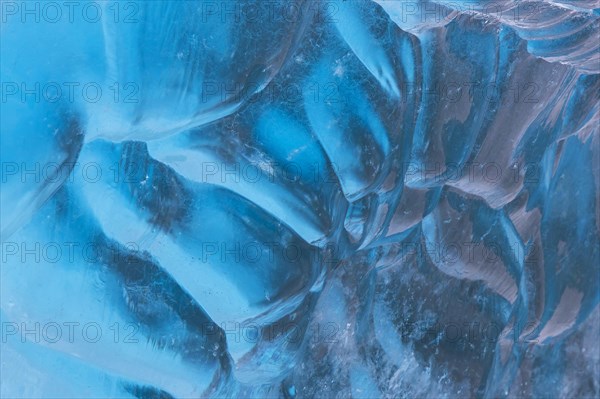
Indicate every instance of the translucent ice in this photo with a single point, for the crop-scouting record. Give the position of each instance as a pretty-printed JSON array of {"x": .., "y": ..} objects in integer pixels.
[{"x": 346, "y": 198}]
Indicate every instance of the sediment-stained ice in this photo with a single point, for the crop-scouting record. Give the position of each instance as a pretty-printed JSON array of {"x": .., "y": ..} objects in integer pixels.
[{"x": 298, "y": 199}]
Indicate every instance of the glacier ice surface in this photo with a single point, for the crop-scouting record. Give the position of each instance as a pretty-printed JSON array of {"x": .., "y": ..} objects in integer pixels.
[{"x": 298, "y": 199}]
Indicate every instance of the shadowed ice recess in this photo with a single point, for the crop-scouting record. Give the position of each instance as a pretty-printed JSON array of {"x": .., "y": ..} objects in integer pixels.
[{"x": 298, "y": 199}]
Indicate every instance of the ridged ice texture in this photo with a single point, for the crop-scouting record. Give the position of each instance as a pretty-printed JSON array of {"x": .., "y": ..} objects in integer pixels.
[{"x": 435, "y": 175}]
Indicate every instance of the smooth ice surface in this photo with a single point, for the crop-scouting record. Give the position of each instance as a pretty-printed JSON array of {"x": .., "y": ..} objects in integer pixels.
[{"x": 281, "y": 199}]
